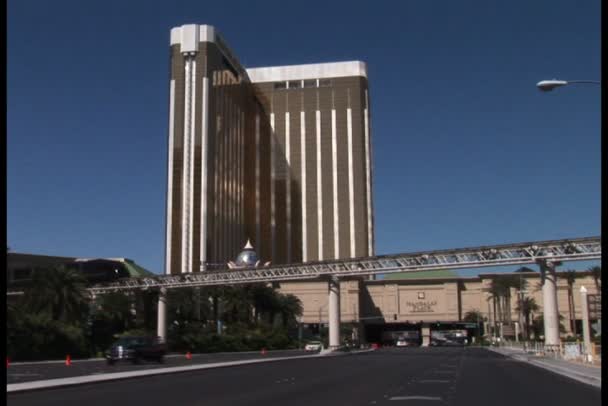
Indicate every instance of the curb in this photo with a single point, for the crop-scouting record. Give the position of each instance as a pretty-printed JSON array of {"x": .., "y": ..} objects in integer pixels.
[
  {"x": 88, "y": 379},
  {"x": 577, "y": 376},
  {"x": 170, "y": 355}
]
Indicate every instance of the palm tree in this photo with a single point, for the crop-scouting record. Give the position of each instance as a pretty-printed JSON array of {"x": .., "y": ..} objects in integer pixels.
[
  {"x": 527, "y": 307},
  {"x": 596, "y": 272},
  {"x": 265, "y": 302},
  {"x": 473, "y": 316},
  {"x": 494, "y": 295},
  {"x": 59, "y": 291},
  {"x": 570, "y": 277},
  {"x": 290, "y": 308},
  {"x": 500, "y": 291}
]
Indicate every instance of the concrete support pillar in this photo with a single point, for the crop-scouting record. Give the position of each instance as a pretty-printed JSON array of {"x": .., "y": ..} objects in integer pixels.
[
  {"x": 426, "y": 335},
  {"x": 550, "y": 311},
  {"x": 517, "y": 331},
  {"x": 334, "y": 313},
  {"x": 161, "y": 328},
  {"x": 586, "y": 326}
]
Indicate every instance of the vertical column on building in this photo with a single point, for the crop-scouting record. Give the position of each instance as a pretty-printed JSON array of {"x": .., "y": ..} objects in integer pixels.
[
  {"x": 351, "y": 180},
  {"x": 550, "y": 310},
  {"x": 170, "y": 179},
  {"x": 334, "y": 312},
  {"x": 230, "y": 163},
  {"x": 162, "y": 301},
  {"x": 204, "y": 158},
  {"x": 242, "y": 230},
  {"x": 258, "y": 231},
  {"x": 319, "y": 183},
  {"x": 188, "y": 162},
  {"x": 303, "y": 182},
  {"x": 368, "y": 178},
  {"x": 272, "y": 188},
  {"x": 334, "y": 163},
  {"x": 288, "y": 186}
]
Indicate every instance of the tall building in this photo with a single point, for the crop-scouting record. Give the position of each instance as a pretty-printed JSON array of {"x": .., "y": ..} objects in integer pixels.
[{"x": 278, "y": 155}]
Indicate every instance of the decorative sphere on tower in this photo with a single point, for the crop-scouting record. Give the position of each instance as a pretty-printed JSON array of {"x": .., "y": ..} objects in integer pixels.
[{"x": 248, "y": 257}]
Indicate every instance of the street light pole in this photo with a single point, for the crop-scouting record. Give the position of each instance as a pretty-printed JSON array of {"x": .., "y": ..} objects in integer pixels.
[{"x": 548, "y": 85}]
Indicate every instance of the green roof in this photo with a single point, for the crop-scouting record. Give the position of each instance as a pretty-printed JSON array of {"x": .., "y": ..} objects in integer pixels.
[
  {"x": 438, "y": 274},
  {"x": 136, "y": 271}
]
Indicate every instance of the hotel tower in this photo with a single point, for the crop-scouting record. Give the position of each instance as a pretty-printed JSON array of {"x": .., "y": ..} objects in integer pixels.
[{"x": 278, "y": 155}]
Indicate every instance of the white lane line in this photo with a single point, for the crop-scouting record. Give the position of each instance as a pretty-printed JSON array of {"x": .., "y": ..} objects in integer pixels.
[
  {"x": 415, "y": 398},
  {"x": 24, "y": 374},
  {"x": 433, "y": 381}
]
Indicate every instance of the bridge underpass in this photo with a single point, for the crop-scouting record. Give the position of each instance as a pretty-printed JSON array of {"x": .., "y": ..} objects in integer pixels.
[{"x": 547, "y": 254}]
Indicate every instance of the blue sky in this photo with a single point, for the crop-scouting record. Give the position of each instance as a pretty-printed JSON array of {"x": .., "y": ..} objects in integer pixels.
[{"x": 466, "y": 150}]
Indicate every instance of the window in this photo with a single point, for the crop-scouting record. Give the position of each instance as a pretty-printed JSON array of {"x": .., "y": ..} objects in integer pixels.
[
  {"x": 420, "y": 295},
  {"x": 324, "y": 82},
  {"x": 280, "y": 85},
  {"x": 310, "y": 83},
  {"x": 295, "y": 84}
]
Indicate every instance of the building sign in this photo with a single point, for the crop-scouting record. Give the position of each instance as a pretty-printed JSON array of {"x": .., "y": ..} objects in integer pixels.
[
  {"x": 422, "y": 307},
  {"x": 594, "y": 303}
]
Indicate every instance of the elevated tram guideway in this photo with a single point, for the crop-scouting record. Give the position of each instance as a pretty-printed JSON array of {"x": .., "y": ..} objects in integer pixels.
[
  {"x": 547, "y": 254},
  {"x": 497, "y": 255}
]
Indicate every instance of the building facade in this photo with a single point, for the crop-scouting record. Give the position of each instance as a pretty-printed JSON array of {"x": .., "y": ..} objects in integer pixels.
[
  {"x": 278, "y": 155},
  {"x": 441, "y": 299}
]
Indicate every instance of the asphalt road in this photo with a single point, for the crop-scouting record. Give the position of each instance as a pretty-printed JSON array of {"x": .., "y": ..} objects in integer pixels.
[
  {"x": 17, "y": 373},
  {"x": 407, "y": 376}
]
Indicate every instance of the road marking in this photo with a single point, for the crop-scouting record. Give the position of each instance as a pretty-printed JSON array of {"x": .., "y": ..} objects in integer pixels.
[
  {"x": 24, "y": 374},
  {"x": 415, "y": 398},
  {"x": 433, "y": 381}
]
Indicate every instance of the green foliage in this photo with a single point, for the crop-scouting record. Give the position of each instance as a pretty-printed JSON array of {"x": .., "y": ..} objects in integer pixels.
[
  {"x": 36, "y": 336},
  {"x": 473, "y": 316},
  {"x": 197, "y": 337},
  {"x": 59, "y": 292},
  {"x": 55, "y": 317}
]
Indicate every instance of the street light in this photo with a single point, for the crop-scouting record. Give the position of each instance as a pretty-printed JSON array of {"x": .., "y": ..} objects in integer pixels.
[{"x": 548, "y": 85}]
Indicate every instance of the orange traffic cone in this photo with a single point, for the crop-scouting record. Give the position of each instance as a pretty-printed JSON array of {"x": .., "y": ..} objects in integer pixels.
[
  {"x": 263, "y": 351},
  {"x": 68, "y": 360},
  {"x": 188, "y": 355}
]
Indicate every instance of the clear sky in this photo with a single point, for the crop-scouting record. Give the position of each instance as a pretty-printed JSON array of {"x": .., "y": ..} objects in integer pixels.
[{"x": 466, "y": 150}]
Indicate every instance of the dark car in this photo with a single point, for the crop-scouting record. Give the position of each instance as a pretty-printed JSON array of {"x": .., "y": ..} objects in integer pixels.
[{"x": 135, "y": 349}]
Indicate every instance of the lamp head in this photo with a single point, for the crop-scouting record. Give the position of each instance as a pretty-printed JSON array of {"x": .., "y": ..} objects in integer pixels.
[{"x": 548, "y": 85}]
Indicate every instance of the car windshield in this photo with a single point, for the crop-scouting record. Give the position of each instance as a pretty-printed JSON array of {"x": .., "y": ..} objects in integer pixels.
[{"x": 129, "y": 341}]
